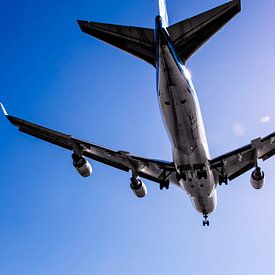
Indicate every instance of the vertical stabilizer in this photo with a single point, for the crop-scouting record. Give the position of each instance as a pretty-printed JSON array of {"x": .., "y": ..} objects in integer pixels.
[{"x": 163, "y": 13}]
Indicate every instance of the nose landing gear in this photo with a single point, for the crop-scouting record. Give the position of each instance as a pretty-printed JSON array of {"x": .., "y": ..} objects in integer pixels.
[{"x": 206, "y": 221}]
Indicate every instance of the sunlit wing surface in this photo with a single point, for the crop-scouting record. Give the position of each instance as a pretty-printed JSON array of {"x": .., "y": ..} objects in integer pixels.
[
  {"x": 237, "y": 162},
  {"x": 155, "y": 170}
]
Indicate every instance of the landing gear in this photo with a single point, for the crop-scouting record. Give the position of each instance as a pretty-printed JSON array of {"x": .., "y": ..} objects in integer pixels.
[
  {"x": 206, "y": 221},
  {"x": 182, "y": 173},
  {"x": 164, "y": 184},
  {"x": 223, "y": 179},
  {"x": 201, "y": 174},
  {"x": 181, "y": 176},
  {"x": 186, "y": 172}
]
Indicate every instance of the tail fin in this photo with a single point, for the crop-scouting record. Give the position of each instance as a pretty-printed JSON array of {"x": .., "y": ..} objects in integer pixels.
[
  {"x": 189, "y": 35},
  {"x": 163, "y": 13}
]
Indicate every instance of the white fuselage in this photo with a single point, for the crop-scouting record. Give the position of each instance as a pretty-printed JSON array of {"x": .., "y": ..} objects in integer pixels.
[{"x": 182, "y": 117}]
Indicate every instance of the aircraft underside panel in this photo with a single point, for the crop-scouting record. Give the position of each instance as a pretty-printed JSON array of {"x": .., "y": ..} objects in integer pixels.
[
  {"x": 179, "y": 111},
  {"x": 182, "y": 117}
]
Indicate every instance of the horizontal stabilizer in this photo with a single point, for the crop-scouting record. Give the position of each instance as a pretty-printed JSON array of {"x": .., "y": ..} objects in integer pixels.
[
  {"x": 189, "y": 35},
  {"x": 134, "y": 40}
]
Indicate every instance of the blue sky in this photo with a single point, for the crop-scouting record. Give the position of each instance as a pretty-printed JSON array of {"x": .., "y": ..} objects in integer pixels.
[{"x": 54, "y": 222}]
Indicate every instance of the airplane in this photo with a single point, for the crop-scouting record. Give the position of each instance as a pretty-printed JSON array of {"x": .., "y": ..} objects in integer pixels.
[{"x": 167, "y": 48}]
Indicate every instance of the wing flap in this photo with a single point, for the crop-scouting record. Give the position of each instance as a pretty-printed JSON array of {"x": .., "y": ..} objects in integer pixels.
[{"x": 43, "y": 133}]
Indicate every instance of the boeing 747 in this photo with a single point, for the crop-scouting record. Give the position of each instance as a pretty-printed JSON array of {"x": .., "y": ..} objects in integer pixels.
[{"x": 167, "y": 48}]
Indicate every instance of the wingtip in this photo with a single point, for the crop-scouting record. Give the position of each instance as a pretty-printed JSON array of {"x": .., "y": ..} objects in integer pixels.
[
  {"x": 82, "y": 23},
  {"x": 3, "y": 109},
  {"x": 239, "y": 4}
]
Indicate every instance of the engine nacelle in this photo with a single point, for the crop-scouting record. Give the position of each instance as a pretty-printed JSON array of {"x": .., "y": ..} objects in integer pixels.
[
  {"x": 257, "y": 178},
  {"x": 82, "y": 166},
  {"x": 138, "y": 187}
]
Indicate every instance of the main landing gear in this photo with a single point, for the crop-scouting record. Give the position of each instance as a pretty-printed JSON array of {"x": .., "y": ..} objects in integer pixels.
[
  {"x": 188, "y": 172},
  {"x": 164, "y": 184},
  {"x": 206, "y": 221}
]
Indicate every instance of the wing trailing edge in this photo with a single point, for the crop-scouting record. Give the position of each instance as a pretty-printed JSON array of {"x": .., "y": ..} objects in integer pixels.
[{"x": 134, "y": 40}]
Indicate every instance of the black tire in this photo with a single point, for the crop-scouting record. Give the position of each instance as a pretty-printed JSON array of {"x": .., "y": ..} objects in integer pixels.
[
  {"x": 183, "y": 176},
  {"x": 199, "y": 175}
]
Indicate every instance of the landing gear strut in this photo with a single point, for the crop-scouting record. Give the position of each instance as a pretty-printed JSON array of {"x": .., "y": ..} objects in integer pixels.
[{"x": 206, "y": 221}]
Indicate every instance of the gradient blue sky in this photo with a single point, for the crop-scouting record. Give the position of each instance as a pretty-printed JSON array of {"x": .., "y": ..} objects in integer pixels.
[{"x": 54, "y": 222}]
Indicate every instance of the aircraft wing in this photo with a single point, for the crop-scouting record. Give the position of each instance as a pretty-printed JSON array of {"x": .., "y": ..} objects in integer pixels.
[
  {"x": 235, "y": 163},
  {"x": 154, "y": 170}
]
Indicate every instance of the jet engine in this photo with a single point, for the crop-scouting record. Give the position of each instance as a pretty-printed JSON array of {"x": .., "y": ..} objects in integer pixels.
[
  {"x": 138, "y": 187},
  {"x": 257, "y": 178},
  {"x": 82, "y": 166}
]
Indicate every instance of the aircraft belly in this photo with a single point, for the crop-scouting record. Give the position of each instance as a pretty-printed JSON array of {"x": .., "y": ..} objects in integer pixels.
[
  {"x": 182, "y": 118},
  {"x": 205, "y": 204},
  {"x": 179, "y": 111}
]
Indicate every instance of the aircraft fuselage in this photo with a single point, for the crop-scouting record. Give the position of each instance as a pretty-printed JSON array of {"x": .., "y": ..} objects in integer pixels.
[{"x": 183, "y": 120}]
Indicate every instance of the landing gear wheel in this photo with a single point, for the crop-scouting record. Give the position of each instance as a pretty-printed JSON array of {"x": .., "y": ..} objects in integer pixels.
[
  {"x": 223, "y": 180},
  {"x": 164, "y": 185},
  {"x": 181, "y": 176},
  {"x": 201, "y": 174},
  {"x": 206, "y": 221}
]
